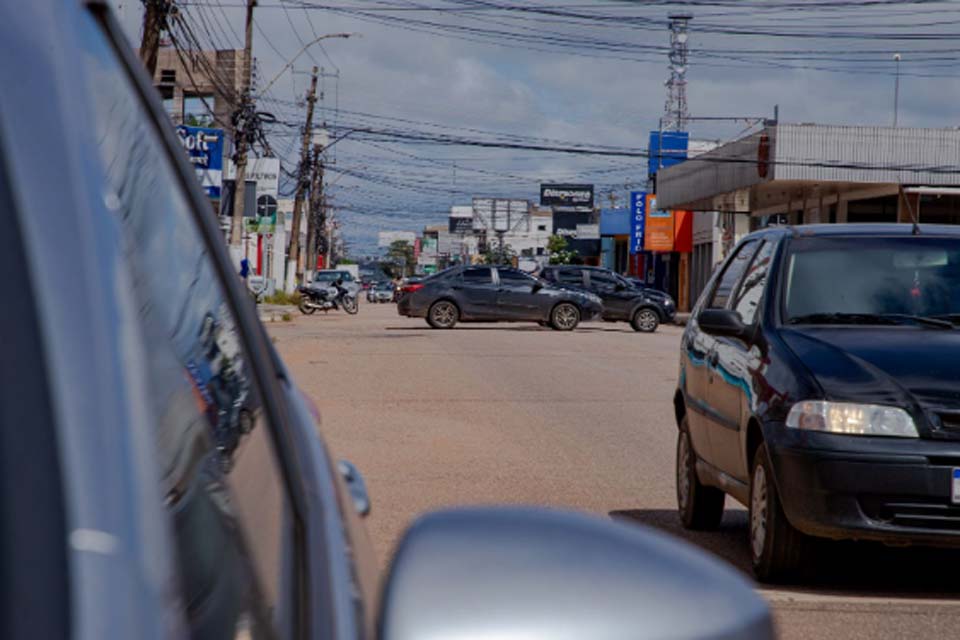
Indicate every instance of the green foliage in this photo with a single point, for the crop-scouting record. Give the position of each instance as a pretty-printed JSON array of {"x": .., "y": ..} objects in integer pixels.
[
  {"x": 282, "y": 297},
  {"x": 496, "y": 254},
  {"x": 287, "y": 317},
  {"x": 401, "y": 259},
  {"x": 346, "y": 261},
  {"x": 559, "y": 253}
]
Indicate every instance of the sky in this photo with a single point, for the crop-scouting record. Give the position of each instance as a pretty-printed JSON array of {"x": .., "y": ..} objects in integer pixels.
[{"x": 562, "y": 74}]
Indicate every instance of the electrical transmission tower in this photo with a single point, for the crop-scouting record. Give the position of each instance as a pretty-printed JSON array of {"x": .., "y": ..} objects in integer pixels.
[{"x": 675, "y": 110}]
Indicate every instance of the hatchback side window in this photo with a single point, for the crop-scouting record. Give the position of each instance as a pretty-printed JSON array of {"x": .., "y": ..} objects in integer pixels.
[
  {"x": 747, "y": 300},
  {"x": 477, "y": 275},
  {"x": 221, "y": 481},
  {"x": 731, "y": 275}
]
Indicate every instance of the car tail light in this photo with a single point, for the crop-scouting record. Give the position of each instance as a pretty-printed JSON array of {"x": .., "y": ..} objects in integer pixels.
[{"x": 410, "y": 288}]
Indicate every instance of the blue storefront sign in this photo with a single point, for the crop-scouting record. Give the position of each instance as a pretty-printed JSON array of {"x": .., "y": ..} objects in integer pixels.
[
  {"x": 204, "y": 147},
  {"x": 666, "y": 149},
  {"x": 638, "y": 220}
]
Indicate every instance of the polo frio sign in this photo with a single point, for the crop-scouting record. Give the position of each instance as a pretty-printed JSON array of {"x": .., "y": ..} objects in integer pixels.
[{"x": 566, "y": 195}]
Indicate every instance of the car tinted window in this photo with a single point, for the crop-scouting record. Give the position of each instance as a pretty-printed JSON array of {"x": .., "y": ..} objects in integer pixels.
[
  {"x": 728, "y": 280},
  {"x": 570, "y": 276},
  {"x": 513, "y": 276},
  {"x": 913, "y": 275},
  {"x": 220, "y": 479},
  {"x": 477, "y": 275},
  {"x": 747, "y": 300},
  {"x": 602, "y": 280}
]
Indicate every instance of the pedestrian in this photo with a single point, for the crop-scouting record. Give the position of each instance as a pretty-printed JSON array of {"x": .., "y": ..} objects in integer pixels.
[{"x": 244, "y": 269}]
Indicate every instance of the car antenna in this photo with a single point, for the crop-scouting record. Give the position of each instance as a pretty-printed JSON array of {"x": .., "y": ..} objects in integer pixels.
[{"x": 913, "y": 216}]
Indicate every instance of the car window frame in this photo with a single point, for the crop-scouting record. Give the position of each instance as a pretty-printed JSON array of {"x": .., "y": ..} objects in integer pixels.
[
  {"x": 580, "y": 272},
  {"x": 726, "y": 265},
  {"x": 735, "y": 293},
  {"x": 529, "y": 278},
  {"x": 590, "y": 273},
  {"x": 261, "y": 357},
  {"x": 491, "y": 270}
]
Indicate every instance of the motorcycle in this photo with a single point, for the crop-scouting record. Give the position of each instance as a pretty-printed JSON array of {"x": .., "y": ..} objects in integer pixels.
[{"x": 323, "y": 299}]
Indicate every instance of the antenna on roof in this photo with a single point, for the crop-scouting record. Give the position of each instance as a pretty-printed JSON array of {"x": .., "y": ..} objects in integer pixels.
[{"x": 913, "y": 216}]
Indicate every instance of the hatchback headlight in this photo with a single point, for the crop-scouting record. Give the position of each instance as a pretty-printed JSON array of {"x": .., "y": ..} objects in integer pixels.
[{"x": 852, "y": 419}]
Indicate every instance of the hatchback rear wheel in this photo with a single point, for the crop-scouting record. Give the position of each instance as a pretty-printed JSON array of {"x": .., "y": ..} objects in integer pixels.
[
  {"x": 700, "y": 506},
  {"x": 777, "y": 549}
]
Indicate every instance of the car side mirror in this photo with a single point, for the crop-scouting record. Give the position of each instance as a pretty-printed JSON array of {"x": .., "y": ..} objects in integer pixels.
[
  {"x": 722, "y": 322},
  {"x": 533, "y": 573},
  {"x": 620, "y": 286},
  {"x": 536, "y": 286}
]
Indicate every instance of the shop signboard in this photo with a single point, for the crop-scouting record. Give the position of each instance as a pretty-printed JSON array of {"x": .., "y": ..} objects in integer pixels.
[
  {"x": 666, "y": 149},
  {"x": 264, "y": 171},
  {"x": 588, "y": 232},
  {"x": 204, "y": 147},
  {"x": 658, "y": 234},
  {"x": 461, "y": 226},
  {"x": 638, "y": 219},
  {"x": 566, "y": 195}
]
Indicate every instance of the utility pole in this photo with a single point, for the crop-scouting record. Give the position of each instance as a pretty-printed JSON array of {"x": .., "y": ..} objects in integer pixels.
[
  {"x": 240, "y": 133},
  {"x": 896, "y": 91},
  {"x": 315, "y": 222},
  {"x": 293, "y": 268},
  {"x": 154, "y": 21}
]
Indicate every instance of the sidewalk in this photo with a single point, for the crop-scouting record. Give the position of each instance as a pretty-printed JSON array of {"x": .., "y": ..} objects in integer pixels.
[{"x": 277, "y": 312}]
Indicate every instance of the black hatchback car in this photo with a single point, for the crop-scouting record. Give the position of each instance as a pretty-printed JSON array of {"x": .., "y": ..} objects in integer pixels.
[
  {"x": 495, "y": 294},
  {"x": 819, "y": 386},
  {"x": 623, "y": 301}
]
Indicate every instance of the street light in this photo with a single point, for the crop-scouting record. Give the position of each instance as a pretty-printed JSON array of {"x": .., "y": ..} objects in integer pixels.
[
  {"x": 896, "y": 90},
  {"x": 300, "y": 53}
]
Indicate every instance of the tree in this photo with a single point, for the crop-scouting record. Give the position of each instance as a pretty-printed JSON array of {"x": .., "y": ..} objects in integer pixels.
[
  {"x": 559, "y": 253},
  {"x": 400, "y": 253},
  {"x": 497, "y": 253}
]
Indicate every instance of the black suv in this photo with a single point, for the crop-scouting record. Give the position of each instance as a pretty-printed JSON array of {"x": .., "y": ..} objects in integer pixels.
[
  {"x": 818, "y": 385},
  {"x": 645, "y": 309}
]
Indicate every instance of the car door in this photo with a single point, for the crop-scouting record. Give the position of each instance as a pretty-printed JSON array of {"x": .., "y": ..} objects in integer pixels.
[
  {"x": 517, "y": 297},
  {"x": 730, "y": 394},
  {"x": 476, "y": 293},
  {"x": 705, "y": 375},
  {"x": 617, "y": 298}
]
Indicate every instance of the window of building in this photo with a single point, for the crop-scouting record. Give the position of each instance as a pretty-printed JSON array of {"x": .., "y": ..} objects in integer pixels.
[
  {"x": 541, "y": 227},
  {"x": 198, "y": 110}
]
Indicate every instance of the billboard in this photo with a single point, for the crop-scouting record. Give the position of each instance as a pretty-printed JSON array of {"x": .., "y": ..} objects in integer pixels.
[
  {"x": 500, "y": 214},
  {"x": 204, "y": 148},
  {"x": 566, "y": 195},
  {"x": 386, "y": 238},
  {"x": 638, "y": 220},
  {"x": 264, "y": 171},
  {"x": 658, "y": 234},
  {"x": 461, "y": 226},
  {"x": 666, "y": 149}
]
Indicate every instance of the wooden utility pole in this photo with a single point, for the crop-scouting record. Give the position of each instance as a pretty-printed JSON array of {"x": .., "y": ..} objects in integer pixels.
[
  {"x": 294, "y": 260},
  {"x": 240, "y": 132},
  {"x": 315, "y": 221},
  {"x": 154, "y": 19}
]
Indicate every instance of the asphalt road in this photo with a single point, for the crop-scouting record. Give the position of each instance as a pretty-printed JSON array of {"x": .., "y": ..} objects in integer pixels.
[{"x": 515, "y": 413}]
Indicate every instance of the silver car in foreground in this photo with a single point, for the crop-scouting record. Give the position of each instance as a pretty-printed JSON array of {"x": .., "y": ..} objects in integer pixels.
[{"x": 160, "y": 474}]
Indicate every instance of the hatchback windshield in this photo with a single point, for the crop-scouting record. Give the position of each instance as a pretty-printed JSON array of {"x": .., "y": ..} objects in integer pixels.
[{"x": 862, "y": 276}]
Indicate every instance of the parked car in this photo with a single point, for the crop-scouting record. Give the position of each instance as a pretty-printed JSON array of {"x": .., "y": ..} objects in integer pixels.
[
  {"x": 622, "y": 301},
  {"x": 818, "y": 386},
  {"x": 160, "y": 474},
  {"x": 324, "y": 278},
  {"x": 380, "y": 292},
  {"x": 495, "y": 294}
]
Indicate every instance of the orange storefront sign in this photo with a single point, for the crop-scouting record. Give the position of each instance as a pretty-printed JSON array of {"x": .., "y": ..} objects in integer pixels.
[
  {"x": 658, "y": 235},
  {"x": 683, "y": 231}
]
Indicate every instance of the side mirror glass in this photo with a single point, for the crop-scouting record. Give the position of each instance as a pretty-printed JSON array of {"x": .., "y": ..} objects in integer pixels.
[
  {"x": 533, "y": 573},
  {"x": 722, "y": 322}
]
